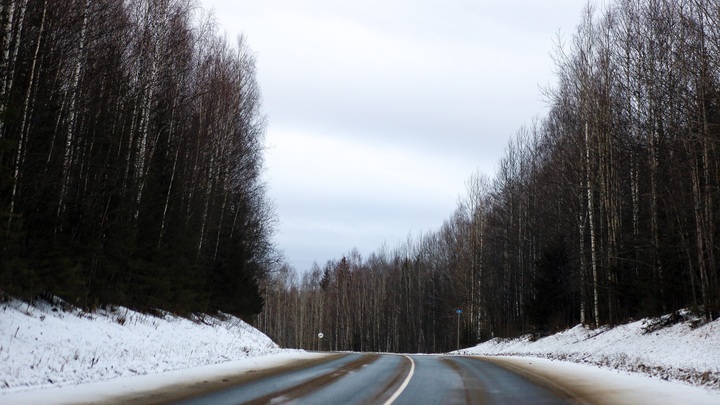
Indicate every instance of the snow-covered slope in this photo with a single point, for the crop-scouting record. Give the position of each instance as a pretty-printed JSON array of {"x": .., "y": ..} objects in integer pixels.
[
  {"x": 44, "y": 345},
  {"x": 657, "y": 347}
]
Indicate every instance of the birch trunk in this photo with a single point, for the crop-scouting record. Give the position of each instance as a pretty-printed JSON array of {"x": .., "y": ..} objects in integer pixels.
[
  {"x": 206, "y": 208},
  {"x": 157, "y": 28},
  {"x": 5, "y": 63},
  {"x": 70, "y": 140},
  {"x": 654, "y": 221},
  {"x": 20, "y": 153},
  {"x": 591, "y": 218},
  {"x": 163, "y": 223},
  {"x": 699, "y": 230},
  {"x": 10, "y": 56},
  {"x": 220, "y": 222},
  {"x": 583, "y": 269}
]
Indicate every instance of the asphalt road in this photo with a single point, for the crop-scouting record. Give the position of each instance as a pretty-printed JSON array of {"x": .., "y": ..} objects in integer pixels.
[{"x": 384, "y": 379}]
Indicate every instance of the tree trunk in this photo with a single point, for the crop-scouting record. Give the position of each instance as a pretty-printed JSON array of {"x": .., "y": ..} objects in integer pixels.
[
  {"x": 70, "y": 137},
  {"x": 24, "y": 126},
  {"x": 591, "y": 219},
  {"x": 10, "y": 56}
]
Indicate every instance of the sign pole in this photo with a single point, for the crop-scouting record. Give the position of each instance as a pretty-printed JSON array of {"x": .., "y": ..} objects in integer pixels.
[{"x": 459, "y": 311}]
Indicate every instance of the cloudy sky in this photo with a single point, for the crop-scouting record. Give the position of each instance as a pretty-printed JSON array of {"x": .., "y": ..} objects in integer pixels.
[{"x": 379, "y": 111}]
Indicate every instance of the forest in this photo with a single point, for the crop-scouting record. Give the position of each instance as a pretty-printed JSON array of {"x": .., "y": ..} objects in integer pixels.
[
  {"x": 131, "y": 140},
  {"x": 604, "y": 210},
  {"x": 131, "y": 153}
]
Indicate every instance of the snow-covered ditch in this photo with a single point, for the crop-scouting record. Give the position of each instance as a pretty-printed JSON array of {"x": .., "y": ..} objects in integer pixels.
[
  {"x": 54, "y": 345},
  {"x": 675, "y": 347}
]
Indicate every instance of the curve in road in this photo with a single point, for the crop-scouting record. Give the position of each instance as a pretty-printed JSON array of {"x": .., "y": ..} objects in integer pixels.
[{"x": 356, "y": 378}]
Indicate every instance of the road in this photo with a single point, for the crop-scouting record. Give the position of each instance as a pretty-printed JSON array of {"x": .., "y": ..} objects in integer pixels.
[{"x": 356, "y": 378}]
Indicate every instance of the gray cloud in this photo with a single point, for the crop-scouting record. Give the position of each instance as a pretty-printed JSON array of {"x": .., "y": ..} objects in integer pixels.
[{"x": 379, "y": 110}]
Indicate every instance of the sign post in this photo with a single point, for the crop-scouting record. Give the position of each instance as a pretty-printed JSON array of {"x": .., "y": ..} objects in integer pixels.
[
  {"x": 459, "y": 311},
  {"x": 320, "y": 336}
]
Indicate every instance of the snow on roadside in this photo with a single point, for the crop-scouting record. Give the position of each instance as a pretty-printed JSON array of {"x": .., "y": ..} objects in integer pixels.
[
  {"x": 675, "y": 352},
  {"x": 589, "y": 384},
  {"x": 132, "y": 389},
  {"x": 45, "y": 345}
]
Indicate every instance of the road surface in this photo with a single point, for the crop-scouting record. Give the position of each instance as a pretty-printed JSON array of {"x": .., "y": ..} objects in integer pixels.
[{"x": 356, "y": 378}]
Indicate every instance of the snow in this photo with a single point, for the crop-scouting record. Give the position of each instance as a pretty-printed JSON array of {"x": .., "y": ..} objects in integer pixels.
[
  {"x": 125, "y": 389},
  {"x": 55, "y": 354},
  {"x": 593, "y": 385},
  {"x": 683, "y": 351},
  {"x": 47, "y": 346}
]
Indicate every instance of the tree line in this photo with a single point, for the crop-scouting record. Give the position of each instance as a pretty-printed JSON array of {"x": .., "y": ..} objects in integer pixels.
[
  {"x": 131, "y": 143},
  {"x": 604, "y": 210}
]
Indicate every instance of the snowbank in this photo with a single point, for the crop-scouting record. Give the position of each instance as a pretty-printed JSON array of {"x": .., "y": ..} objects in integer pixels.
[
  {"x": 136, "y": 388},
  {"x": 654, "y": 347},
  {"x": 46, "y": 345},
  {"x": 588, "y": 384}
]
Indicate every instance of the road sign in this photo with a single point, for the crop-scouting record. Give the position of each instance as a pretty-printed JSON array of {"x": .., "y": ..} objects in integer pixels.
[
  {"x": 320, "y": 335},
  {"x": 459, "y": 311}
]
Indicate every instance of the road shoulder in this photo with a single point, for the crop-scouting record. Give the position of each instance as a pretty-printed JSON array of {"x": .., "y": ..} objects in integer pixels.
[
  {"x": 592, "y": 385},
  {"x": 169, "y": 386}
]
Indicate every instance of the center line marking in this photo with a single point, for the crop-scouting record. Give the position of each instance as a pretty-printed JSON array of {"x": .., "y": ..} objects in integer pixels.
[{"x": 404, "y": 384}]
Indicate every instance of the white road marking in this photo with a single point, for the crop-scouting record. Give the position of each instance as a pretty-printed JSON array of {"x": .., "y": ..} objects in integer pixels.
[{"x": 404, "y": 384}]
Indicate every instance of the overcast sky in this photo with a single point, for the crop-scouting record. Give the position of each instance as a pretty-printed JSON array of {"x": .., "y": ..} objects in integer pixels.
[{"x": 379, "y": 111}]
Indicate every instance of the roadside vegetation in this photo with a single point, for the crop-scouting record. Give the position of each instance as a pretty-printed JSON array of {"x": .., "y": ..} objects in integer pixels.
[{"x": 603, "y": 211}]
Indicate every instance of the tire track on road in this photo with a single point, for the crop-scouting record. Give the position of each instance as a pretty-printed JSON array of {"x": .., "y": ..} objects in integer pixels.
[
  {"x": 314, "y": 384},
  {"x": 473, "y": 394},
  {"x": 404, "y": 385}
]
